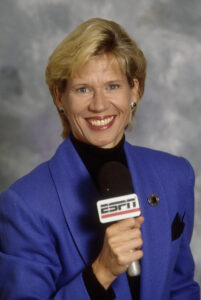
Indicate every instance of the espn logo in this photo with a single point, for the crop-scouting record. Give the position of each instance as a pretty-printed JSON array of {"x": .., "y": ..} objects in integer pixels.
[{"x": 118, "y": 208}]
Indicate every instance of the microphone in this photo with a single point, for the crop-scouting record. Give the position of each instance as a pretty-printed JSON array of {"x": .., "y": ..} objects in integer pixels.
[{"x": 119, "y": 202}]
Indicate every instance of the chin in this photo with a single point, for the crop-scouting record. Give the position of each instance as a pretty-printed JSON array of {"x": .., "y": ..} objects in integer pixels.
[{"x": 99, "y": 139}]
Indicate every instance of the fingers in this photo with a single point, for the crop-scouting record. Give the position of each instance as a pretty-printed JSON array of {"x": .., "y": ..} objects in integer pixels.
[
  {"x": 125, "y": 230},
  {"x": 129, "y": 246},
  {"x": 126, "y": 253},
  {"x": 124, "y": 240},
  {"x": 127, "y": 249},
  {"x": 122, "y": 245},
  {"x": 139, "y": 220},
  {"x": 123, "y": 236},
  {"x": 127, "y": 224},
  {"x": 126, "y": 259}
]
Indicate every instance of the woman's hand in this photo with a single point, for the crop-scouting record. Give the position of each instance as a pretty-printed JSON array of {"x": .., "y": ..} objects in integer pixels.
[{"x": 121, "y": 247}]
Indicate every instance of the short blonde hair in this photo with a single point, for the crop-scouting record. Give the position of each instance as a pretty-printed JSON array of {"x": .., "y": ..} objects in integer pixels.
[{"x": 94, "y": 37}]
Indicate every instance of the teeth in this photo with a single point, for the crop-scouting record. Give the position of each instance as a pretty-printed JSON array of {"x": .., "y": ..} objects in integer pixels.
[{"x": 101, "y": 122}]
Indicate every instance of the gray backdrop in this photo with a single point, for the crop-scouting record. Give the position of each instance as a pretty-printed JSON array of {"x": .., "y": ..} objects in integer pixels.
[{"x": 169, "y": 32}]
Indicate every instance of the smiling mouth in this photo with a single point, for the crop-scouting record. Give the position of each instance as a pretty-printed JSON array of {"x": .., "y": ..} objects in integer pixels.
[{"x": 100, "y": 123}]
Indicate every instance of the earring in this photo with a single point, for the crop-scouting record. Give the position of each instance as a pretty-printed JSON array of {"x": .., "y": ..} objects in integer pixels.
[
  {"x": 133, "y": 105},
  {"x": 61, "y": 110}
]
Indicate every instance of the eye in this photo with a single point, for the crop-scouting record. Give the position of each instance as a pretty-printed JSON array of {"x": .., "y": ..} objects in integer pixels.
[
  {"x": 82, "y": 90},
  {"x": 113, "y": 86}
]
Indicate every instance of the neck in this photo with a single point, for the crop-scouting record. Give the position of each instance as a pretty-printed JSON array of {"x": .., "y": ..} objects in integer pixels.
[{"x": 94, "y": 157}]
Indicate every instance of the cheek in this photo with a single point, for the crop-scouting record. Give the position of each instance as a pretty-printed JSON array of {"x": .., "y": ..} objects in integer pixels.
[
  {"x": 124, "y": 104},
  {"x": 71, "y": 107}
]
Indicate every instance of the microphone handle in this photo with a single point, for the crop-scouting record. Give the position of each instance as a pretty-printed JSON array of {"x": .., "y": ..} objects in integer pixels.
[{"x": 134, "y": 269}]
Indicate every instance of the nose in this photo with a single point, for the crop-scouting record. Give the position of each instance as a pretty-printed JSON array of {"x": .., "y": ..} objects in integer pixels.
[{"x": 99, "y": 102}]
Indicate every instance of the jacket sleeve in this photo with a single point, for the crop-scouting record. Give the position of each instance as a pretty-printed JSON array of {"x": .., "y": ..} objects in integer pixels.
[
  {"x": 183, "y": 285},
  {"x": 29, "y": 264}
]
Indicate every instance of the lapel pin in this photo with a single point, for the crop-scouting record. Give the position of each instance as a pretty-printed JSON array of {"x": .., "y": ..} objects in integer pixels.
[{"x": 153, "y": 199}]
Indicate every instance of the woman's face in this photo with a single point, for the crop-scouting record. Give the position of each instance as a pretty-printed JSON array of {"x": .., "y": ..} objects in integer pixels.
[{"x": 97, "y": 102}]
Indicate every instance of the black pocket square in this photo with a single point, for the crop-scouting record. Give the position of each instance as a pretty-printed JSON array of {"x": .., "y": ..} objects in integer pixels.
[{"x": 177, "y": 227}]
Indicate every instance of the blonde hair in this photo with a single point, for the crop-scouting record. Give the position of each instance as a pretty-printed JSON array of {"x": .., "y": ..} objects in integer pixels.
[{"x": 92, "y": 38}]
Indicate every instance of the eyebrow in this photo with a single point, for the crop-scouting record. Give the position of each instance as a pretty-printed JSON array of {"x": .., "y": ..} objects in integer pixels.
[
  {"x": 88, "y": 84},
  {"x": 115, "y": 81}
]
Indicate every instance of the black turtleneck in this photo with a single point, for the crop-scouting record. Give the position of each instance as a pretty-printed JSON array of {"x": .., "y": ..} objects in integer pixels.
[{"x": 94, "y": 157}]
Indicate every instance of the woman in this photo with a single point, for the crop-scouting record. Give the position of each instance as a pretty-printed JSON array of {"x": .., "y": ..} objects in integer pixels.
[{"x": 52, "y": 245}]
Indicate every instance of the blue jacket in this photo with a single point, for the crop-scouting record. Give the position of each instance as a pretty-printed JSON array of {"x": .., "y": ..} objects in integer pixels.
[{"x": 46, "y": 239}]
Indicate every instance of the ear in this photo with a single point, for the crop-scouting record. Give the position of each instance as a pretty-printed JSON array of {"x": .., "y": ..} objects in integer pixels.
[
  {"x": 57, "y": 96},
  {"x": 135, "y": 88}
]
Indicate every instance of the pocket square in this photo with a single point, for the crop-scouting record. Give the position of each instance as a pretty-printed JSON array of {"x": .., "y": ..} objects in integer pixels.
[{"x": 177, "y": 226}]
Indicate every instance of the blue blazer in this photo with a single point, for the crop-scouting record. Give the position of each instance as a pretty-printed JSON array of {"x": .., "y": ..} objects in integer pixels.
[{"x": 46, "y": 238}]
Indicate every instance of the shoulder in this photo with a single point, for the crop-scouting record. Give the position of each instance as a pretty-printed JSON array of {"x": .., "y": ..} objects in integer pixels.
[
  {"x": 35, "y": 190},
  {"x": 31, "y": 190},
  {"x": 38, "y": 180},
  {"x": 164, "y": 163}
]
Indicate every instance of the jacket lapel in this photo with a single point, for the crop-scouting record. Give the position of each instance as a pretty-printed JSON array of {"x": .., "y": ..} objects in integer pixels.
[
  {"x": 78, "y": 197},
  {"x": 156, "y": 228}
]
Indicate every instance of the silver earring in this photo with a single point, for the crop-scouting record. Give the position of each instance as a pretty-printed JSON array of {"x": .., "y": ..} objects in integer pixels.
[
  {"x": 133, "y": 105},
  {"x": 61, "y": 110}
]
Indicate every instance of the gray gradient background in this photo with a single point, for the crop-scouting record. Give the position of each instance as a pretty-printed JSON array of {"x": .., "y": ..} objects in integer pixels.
[{"x": 168, "y": 31}]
